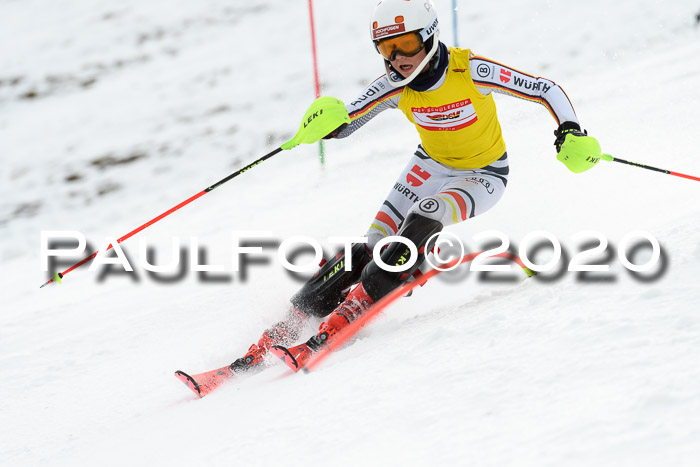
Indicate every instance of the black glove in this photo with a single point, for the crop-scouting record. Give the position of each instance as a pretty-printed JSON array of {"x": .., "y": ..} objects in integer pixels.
[
  {"x": 335, "y": 132},
  {"x": 565, "y": 129}
]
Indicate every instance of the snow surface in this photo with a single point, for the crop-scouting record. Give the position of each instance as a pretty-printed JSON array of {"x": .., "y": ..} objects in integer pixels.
[{"x": 111, "y": 113}]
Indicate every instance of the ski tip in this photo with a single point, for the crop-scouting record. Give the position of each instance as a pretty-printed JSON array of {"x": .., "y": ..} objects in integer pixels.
[{"x": 189, "y": 382}]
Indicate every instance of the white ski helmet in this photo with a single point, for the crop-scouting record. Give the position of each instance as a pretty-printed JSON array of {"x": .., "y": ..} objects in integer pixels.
[{"x": 396, "y": 17}]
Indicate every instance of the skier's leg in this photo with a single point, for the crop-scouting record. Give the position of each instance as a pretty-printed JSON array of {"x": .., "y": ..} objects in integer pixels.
[
  {"x": 377, "y": 282},
  {"x": 469, "y": 193},
  {"x": 418, "y": 229},
  {"x": 461, "y": 195},
  {"x": 421, "y": 178},
  {"x": 441, "y": 196},
  {"x": 318, "y": 297},
  {"x": 284, "y": 333},
  {"x": 331, "y": 283}
]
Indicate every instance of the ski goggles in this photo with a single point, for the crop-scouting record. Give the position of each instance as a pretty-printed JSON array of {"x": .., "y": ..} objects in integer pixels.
[{"x": 408, "y": 44}]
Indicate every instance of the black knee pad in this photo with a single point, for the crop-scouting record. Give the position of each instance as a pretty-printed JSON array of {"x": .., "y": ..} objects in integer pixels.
[
  {"x": 323, "y": 292},
  {"x": 416, "y": 228}
]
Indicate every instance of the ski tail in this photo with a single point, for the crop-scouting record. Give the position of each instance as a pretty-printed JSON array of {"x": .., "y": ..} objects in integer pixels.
[
  {"x": 285, "y": 355},
  {"x": 204, "y": 383},
  {"x": 294, "y": 357},
  {"x": 189, "y": 382}
]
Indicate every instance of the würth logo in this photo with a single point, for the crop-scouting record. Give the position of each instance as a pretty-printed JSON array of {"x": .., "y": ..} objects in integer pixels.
[
  {"x": 412, "y": 180},
  {"x": 505, "y": 76}
]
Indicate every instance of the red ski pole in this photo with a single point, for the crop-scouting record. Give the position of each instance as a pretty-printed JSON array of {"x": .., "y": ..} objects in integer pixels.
[
  {"x": 312, "y": 129},
  {"x": 59, "y": 275}
]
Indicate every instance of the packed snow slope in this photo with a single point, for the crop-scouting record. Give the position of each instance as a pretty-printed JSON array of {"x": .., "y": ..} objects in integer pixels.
[{"x": 111, "y": 113}]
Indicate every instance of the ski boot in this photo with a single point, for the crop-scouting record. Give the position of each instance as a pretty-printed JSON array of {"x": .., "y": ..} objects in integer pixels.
[
  {"x": 356, "y": 303},
  {"x": 250, "y": 360},
  {"x": 284, "y": 332}
]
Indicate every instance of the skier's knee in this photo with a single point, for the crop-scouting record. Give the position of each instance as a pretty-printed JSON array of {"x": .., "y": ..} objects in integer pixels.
[
  {"x": 323, "y": 292},
  {"x": 418, "y": 229},
  {"x": 431, "y": 207}
]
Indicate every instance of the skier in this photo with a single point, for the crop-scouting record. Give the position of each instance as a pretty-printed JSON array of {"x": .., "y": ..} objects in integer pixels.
[{"x": 459, "y": 170}]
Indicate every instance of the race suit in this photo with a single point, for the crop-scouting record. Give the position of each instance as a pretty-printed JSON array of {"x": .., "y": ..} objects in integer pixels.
[{"x": 461, "y": 165}]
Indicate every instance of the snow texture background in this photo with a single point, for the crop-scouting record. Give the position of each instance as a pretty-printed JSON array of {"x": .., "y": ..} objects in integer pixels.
[{"x": 111, "y": 113}]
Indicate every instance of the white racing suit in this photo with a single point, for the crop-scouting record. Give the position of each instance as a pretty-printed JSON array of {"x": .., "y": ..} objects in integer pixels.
[{"x": 460, "y": 170}]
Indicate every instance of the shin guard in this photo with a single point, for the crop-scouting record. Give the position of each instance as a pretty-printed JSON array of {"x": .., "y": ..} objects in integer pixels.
[
  {"x": 417, "y": 229},
  {"x": 329, "y": 286}
]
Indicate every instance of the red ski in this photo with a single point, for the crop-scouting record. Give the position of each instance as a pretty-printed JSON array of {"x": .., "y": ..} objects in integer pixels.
[
  {"x": 204, "y": 383},
  {"x": 302, "y": 357}
]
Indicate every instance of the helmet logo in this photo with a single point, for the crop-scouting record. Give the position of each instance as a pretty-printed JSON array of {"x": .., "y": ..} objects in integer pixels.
[
  {"x": 429, "y": 30},
  {"x": 387, "y": 30}
]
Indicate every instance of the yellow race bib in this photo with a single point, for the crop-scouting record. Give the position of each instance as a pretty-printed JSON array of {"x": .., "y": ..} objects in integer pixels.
[{"x": 458, "y": 125}]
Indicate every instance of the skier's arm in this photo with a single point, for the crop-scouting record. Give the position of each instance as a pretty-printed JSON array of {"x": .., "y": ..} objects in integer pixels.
[
  {"x": 575, "y": 149},
  {"x": 376, "y": 98},
  {"x": 490, "y": 76}
]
